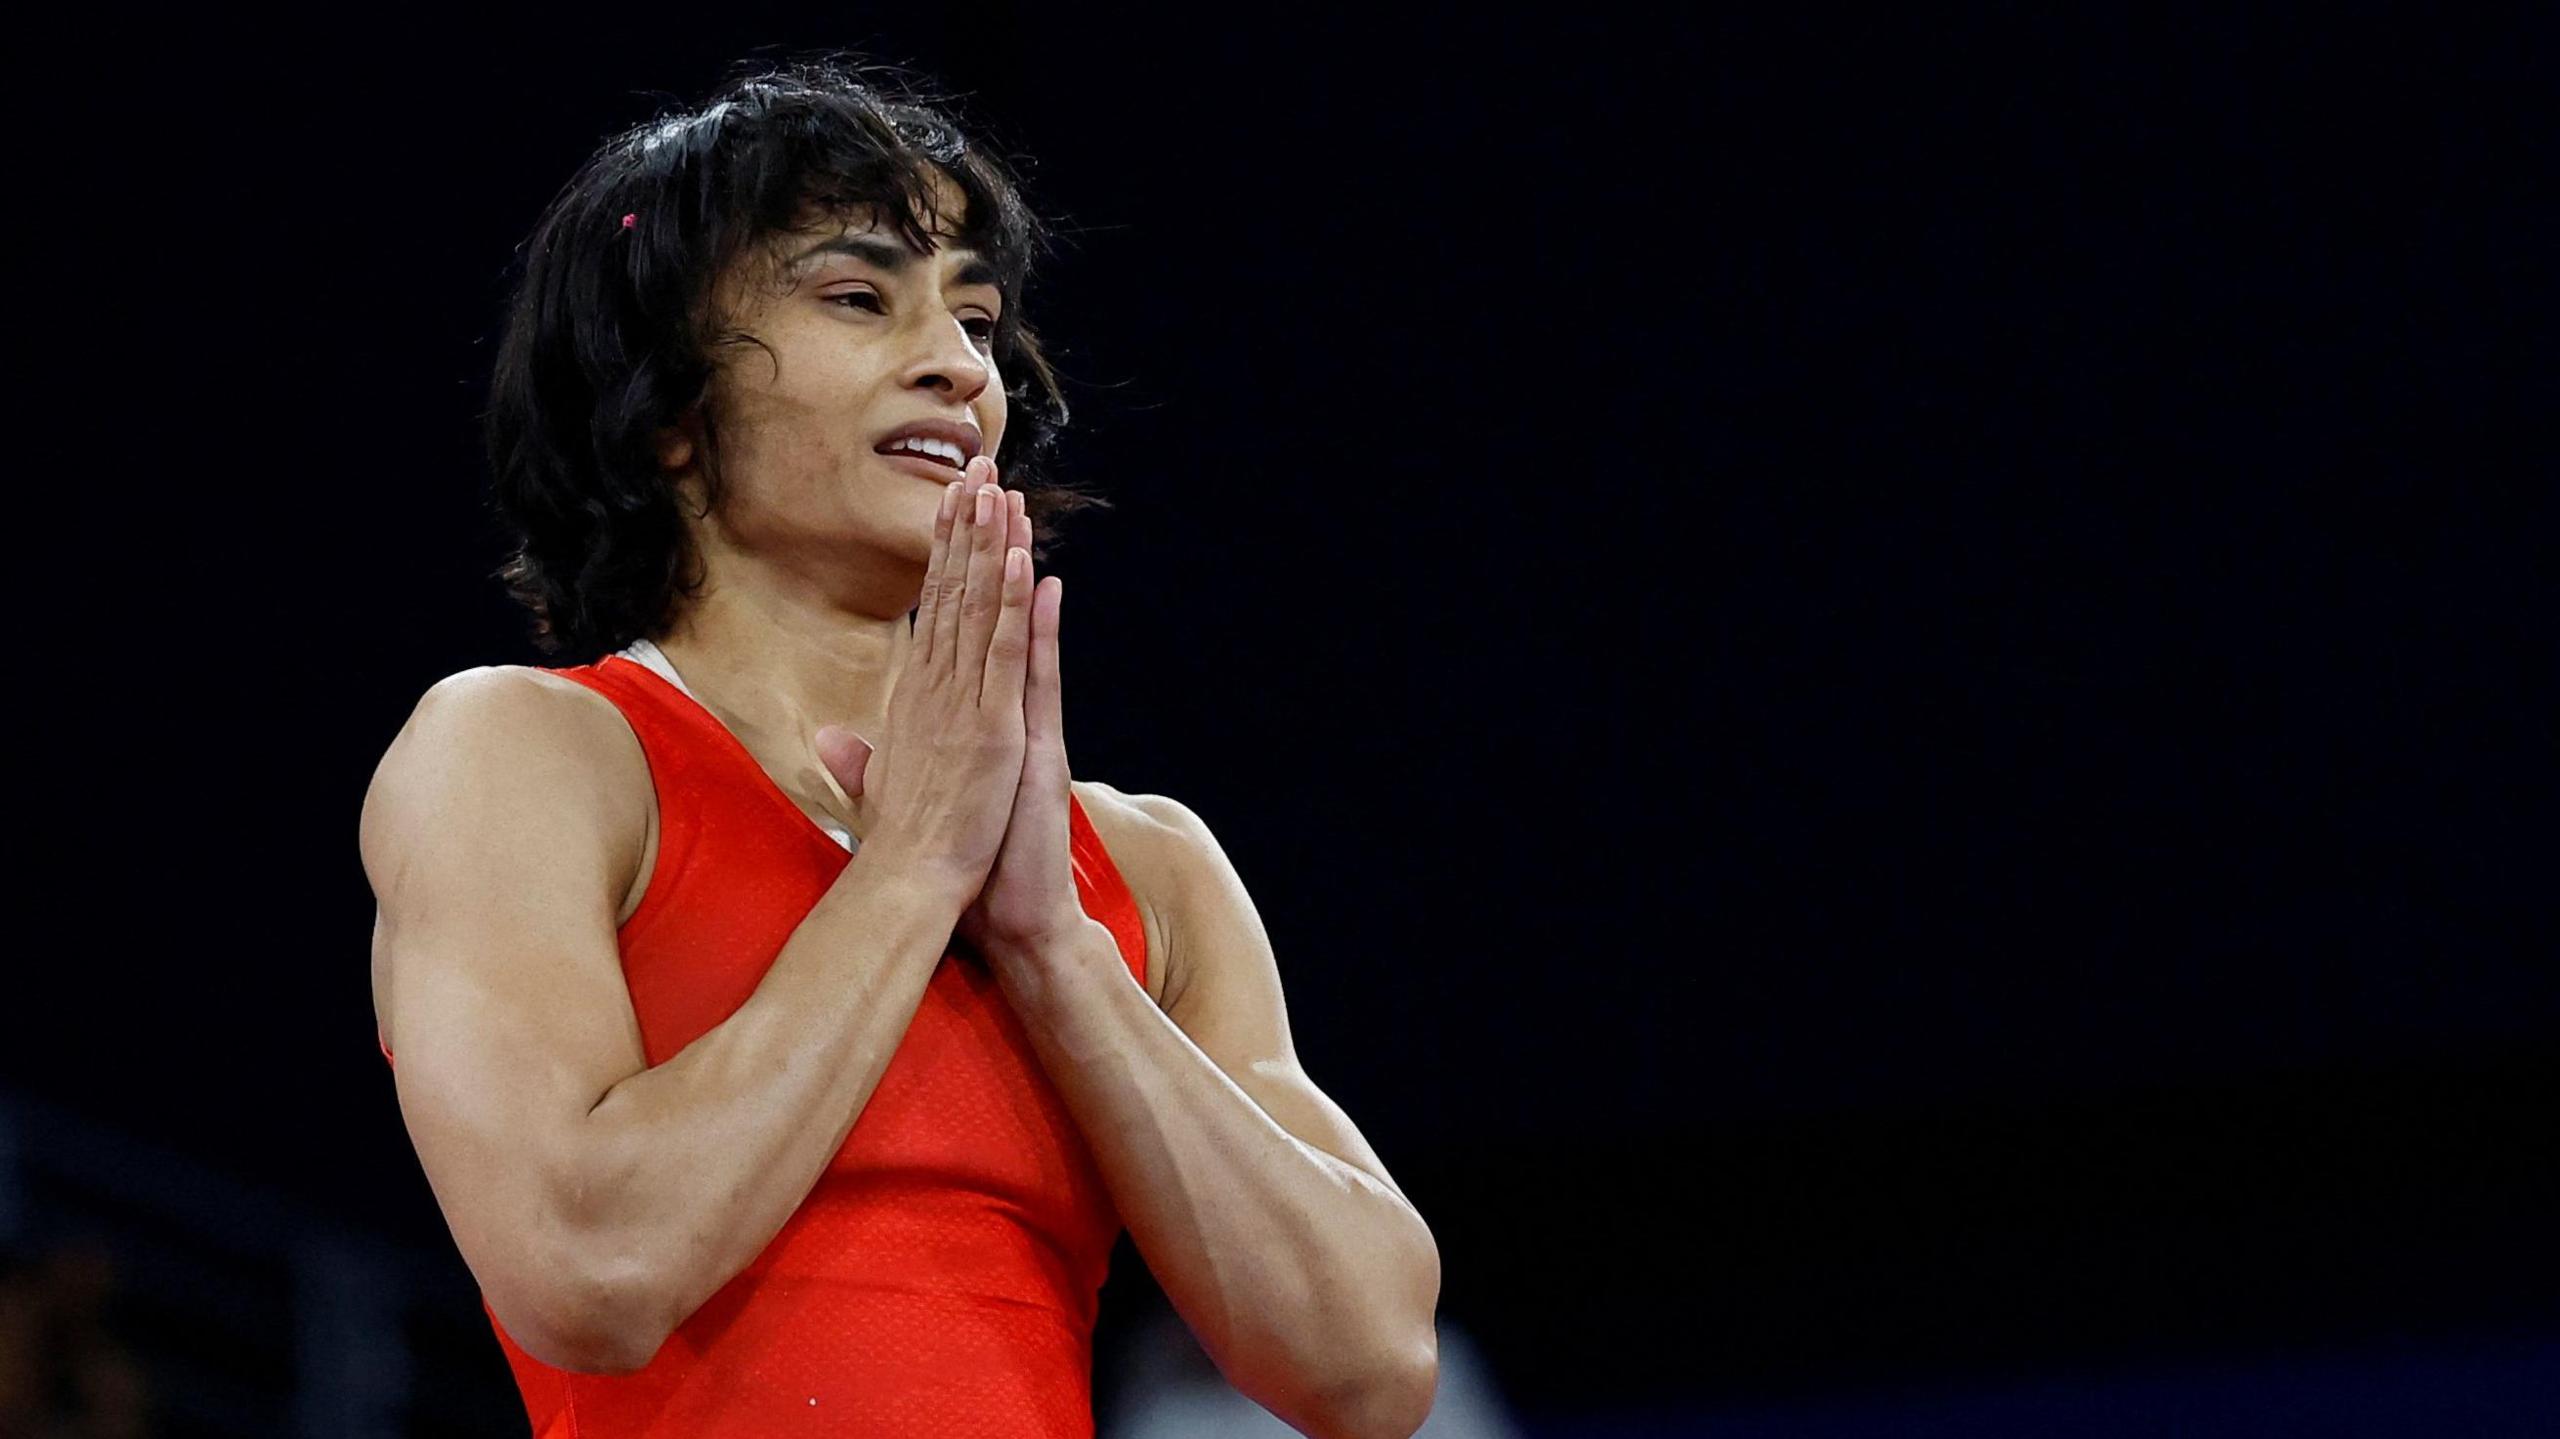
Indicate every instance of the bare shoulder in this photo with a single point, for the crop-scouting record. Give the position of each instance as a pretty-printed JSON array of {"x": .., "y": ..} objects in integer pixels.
[
  {"x": 491, "y": 698},
  {"x": 1149, "y": 831},
  {"x": 503, "y": 725},
  {"x": 1108, "y": 805},
  {"x": 1146, "y": 835},
  {"x": 502, "y": 777}
]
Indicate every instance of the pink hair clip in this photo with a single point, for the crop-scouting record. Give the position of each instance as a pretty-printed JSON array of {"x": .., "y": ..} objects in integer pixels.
[{"x": 627, "y": 219}]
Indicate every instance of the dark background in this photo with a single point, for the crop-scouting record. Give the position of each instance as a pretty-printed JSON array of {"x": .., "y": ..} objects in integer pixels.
[{"x": 1885, "y": 680}]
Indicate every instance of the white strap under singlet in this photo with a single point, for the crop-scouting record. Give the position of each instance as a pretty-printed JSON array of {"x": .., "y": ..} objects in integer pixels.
[{"x": 645, "y": 651}]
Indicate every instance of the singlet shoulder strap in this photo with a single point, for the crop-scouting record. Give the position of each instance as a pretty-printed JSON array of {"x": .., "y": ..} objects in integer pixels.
[
  {"x": 671, "y": 728},
  {"x": 616, "y": 682},
  {"x": 1104, "y": 891},
  {"x": 690, "y": 767}
]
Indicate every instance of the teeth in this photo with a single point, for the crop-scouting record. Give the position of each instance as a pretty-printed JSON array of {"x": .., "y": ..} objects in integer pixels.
[{"x": 942, "y": 450}]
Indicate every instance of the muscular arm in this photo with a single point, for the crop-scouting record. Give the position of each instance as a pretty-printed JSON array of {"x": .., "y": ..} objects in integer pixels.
[
  {"x": 599, "y": 1201},
  {"x": 1272, "y": 1225}
]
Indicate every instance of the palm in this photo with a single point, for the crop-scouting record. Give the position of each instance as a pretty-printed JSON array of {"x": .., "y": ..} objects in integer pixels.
[
  {"x": 1032, "y": 883},
  {"x": 1029, "y": 898}
]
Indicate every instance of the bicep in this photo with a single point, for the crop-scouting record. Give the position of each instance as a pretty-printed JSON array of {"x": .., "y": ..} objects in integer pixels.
[{"x": 493, "y": 837}]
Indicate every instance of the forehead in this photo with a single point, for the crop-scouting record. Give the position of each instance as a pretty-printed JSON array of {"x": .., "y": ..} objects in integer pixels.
[
  {"x": 808, "y": 242},
  {"x": 945, "y": 214}
]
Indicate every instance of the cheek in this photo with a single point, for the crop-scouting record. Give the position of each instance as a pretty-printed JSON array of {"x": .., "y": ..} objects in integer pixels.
[
  {"x": 805, "y": 415},
  {"x": 779, "y": 452}
]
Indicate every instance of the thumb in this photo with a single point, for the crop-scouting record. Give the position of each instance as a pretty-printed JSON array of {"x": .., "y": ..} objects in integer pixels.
[{"x": 845, "y": 754}]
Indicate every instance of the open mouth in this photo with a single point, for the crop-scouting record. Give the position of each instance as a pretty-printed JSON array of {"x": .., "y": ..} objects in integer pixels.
[{"x": 949, "y": 463}]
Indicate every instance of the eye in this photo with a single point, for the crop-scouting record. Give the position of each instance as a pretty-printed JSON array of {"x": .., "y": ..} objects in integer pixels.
[{"x": 982, "y": 328}]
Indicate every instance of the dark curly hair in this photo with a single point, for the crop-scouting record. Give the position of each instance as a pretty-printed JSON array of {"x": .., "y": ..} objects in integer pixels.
[{"x": 610, "y": 330}]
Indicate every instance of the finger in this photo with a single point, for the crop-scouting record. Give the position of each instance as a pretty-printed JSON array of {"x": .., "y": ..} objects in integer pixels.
[
  {"x": 1020, "y": 535},
  {"x": 1038, "y": 718},
  {"x": 983, "y": 601},
  {"x": 846, "y": 755},
  {"x": 930, "y": 601},
  {"x": 947, "y": 580},
  {"x": 1044, "y": 708},
  {"x": 1007, "y": 646},
  {"x": 955, "y": 567}
]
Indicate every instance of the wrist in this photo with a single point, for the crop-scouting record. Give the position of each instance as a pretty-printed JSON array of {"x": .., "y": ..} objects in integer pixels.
[
  {"x": 942, "y": 886},
  {"x": 1068, "y": 953}
]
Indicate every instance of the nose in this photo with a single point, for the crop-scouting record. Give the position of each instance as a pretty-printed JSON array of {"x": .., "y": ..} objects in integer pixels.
[{"x": 946, "y": 359}]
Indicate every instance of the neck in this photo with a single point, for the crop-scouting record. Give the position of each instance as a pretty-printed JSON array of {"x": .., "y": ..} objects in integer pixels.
[{"x": 775, "y": 662}]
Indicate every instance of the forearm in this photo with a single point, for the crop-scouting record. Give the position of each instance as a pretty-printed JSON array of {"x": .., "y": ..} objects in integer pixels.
[
  {"x": 688, "y": 1169},
  {"x": 1310, "y": 1282}
]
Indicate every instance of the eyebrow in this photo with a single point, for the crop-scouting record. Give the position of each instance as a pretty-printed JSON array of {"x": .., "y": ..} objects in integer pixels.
[{"x": 893, "y": 257}]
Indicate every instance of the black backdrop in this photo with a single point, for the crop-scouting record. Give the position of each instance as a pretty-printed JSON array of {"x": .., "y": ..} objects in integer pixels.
[{"x": 1885, "y": 680}]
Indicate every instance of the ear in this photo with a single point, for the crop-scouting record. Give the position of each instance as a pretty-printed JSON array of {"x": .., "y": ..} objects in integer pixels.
[{"x": 675, "y": 445}]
